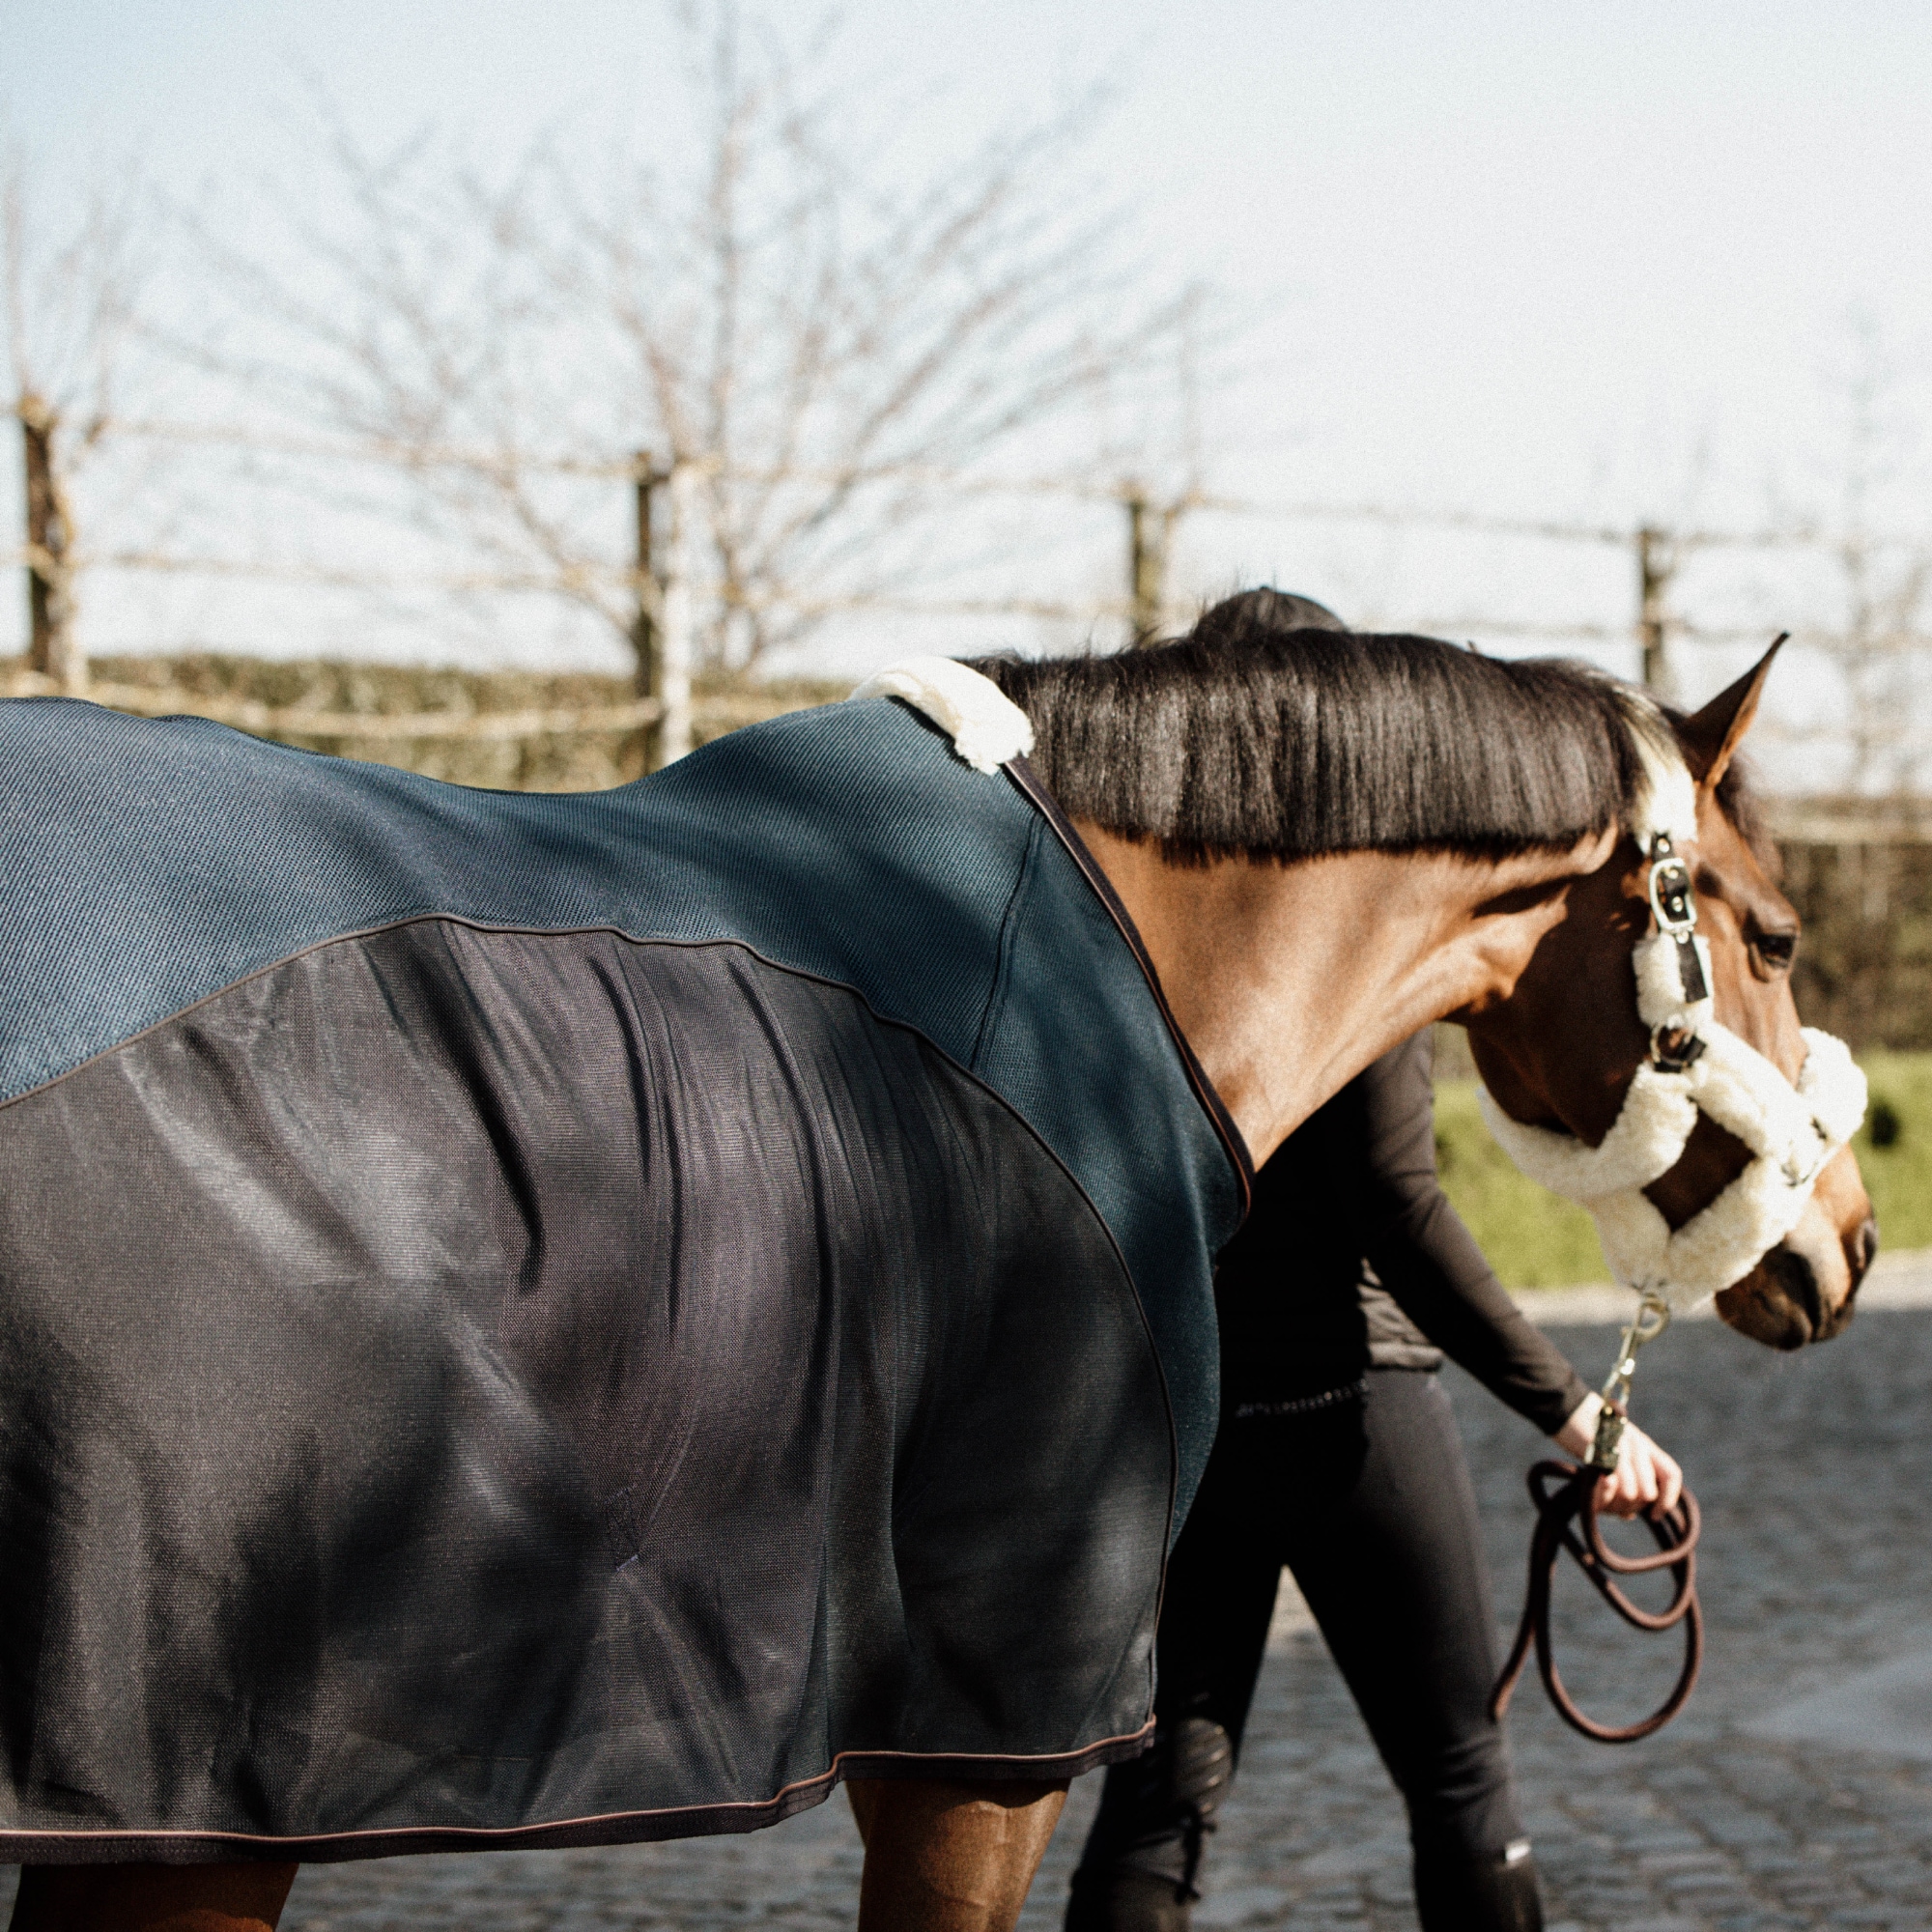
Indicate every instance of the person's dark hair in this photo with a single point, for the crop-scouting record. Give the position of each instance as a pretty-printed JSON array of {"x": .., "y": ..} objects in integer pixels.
[
  {"x": 1264, "y": 610},
  {"x": 1247, "y": 738}
]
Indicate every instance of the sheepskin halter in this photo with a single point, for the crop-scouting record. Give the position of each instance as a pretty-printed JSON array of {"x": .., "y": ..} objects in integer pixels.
[{"x": 1697, "y": 1065}]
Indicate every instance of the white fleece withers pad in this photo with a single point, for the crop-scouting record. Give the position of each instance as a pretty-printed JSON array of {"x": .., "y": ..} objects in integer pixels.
[{"x": 985, "y": 725}]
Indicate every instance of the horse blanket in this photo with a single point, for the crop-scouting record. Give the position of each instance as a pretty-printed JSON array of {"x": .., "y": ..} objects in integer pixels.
[{"x": 552, "y": 1320}]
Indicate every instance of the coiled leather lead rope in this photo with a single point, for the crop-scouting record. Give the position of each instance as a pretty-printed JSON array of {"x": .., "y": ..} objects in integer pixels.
[
  {"x": 1558, "y": 1513},
  {"x": 1559, "y": 1510}
]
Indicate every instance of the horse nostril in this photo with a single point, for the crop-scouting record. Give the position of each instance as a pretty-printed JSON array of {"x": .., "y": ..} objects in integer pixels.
[
  {"x": 1804, "y": 1309},
  {"x": 1861, "y": 1250}
]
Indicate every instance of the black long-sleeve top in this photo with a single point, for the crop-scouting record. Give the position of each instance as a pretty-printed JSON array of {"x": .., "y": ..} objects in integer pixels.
[{"x": 1352, "y": 1258}]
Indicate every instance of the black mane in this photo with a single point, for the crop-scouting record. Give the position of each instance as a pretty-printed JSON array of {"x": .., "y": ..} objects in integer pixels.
[{"x": 1248, "y": 739}]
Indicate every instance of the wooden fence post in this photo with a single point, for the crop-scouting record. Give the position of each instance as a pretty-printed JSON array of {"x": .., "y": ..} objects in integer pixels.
[
  {"x": 1656, "y": 565},
  {"x": 52, "y": 647},
  {"x": 647, "y": 630},
  {"x": 661, "y": 633},
  {"x": 676, "y": 616},
  {"x": 1149, "y": 529}
]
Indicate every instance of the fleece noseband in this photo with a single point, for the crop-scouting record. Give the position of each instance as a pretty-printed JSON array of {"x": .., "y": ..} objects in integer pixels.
[{"x": 1695, "y": 1065}]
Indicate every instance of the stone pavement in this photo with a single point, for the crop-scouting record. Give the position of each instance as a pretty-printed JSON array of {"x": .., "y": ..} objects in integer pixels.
[
  {"x": 1795, "y": 1792},
  {"x": 1763, "y": 1806}
]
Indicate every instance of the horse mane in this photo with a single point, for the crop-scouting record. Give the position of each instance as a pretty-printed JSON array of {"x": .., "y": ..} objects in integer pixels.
[{"x": 1245, "y": 738}]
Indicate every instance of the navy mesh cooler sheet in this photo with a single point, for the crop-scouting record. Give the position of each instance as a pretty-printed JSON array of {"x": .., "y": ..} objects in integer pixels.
[{"x": 567, "y": 1318}]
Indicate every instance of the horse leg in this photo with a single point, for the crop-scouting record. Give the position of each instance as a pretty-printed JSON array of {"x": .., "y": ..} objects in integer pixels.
[
  {"x": 151, "y": 1898},
  {"x": 950, "y": 1856}
]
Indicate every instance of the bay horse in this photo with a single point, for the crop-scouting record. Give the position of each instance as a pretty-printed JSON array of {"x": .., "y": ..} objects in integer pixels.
[{"x": 567, "y": 1320}]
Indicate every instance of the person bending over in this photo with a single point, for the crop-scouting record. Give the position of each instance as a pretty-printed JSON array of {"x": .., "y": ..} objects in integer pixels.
[{"x": 1338, "y": 1456}]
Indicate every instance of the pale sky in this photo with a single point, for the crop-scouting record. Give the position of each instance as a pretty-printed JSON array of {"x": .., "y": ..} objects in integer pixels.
[{"x": 1602, "y": 262}]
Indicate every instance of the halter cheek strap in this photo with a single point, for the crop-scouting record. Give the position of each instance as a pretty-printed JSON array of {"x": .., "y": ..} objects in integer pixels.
[{"x": 1696, "y": 1066}]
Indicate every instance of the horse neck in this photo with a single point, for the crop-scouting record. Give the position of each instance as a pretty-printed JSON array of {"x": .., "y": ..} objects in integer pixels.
[{"x": 1289, "y": 979}]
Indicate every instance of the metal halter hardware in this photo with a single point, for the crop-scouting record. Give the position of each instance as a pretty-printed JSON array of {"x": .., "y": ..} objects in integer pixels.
[
  {"x": 1651, "y": 1320},
  {"x": 1673, "y": 900}
]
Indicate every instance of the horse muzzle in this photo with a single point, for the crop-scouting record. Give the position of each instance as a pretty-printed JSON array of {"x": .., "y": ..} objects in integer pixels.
[{"x": 1805, "y": 1289}]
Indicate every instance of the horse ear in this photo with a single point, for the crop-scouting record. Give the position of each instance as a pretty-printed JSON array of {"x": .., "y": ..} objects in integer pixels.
[{"x": 1711, "y": 739}]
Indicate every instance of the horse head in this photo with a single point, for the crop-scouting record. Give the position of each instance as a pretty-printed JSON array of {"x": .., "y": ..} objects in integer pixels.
[
  {"x": 1327, "y": 839},
  {"x": 1584, "y": 1050}
]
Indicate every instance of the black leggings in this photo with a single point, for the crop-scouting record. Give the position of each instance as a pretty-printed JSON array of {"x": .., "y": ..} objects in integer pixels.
[{"x": 1368, "y": 1501}]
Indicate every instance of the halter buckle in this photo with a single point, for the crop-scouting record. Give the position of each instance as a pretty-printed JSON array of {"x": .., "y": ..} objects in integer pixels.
[
  {"x": 1672, "y": 1049},
  {"x": 1673, "y": 900}
]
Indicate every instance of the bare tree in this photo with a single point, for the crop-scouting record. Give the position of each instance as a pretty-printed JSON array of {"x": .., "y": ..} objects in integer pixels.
[
  {"x": 69, "y": 311},
  {"x": 825, "y": 344},
  {"x": 1881, "y": 641}
]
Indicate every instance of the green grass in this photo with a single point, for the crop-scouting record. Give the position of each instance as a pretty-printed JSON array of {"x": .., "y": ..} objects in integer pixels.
[
  {"x": 1534, "y": 1239},
  {"x": 1899, "y": 1176}
]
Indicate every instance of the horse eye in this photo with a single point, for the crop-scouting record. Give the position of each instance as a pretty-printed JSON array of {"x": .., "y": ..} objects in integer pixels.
[{"x": 1777, "y": 950}]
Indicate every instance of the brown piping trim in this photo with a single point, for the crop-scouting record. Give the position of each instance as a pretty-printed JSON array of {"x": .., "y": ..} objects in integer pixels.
[
  {"x": 1028, "y": 783},
  {"x": 611, "y": 1827}
]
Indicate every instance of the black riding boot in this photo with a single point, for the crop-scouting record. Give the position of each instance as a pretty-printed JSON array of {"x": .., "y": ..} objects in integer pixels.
[
  {"x": 1497, "y": 1893},
  {"x": 1155, "y": 1812},
  {"x": 1118, "y": 1899}
]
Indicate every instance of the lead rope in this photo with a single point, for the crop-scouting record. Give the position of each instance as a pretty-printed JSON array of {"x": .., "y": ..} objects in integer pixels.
[{"x": 1559, "y": 1510}]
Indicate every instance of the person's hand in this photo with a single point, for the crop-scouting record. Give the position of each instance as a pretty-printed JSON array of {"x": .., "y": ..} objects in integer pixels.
[{"x": 1646, "y": 1481}]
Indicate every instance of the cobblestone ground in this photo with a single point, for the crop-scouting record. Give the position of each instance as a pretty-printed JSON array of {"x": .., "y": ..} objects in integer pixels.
[
  {"x": 1816, "y": 1565},
  {"x": 1813, "y": 1471}
]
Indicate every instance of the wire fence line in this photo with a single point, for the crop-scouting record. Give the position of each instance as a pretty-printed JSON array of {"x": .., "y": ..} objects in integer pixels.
[
  {"x": 659, "y": 593},
  {"x": 539, "y": 583},
  {"x": 407, "y": 455}
]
